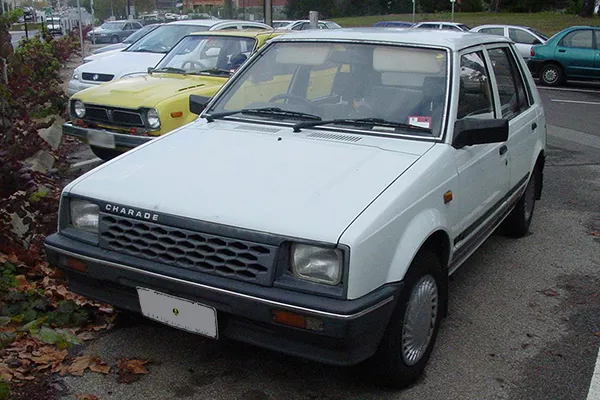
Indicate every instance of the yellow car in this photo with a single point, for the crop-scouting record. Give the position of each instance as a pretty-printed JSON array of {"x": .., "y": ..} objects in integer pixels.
[{"x": 117, "y": 116}]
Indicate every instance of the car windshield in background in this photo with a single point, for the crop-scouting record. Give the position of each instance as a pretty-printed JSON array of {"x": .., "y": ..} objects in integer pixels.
[
  {"x": 139, "y": 33},
  {"x": 163, "y": 38},
  {"x": 214, "y": 55},
  {"x": 113, "y": 26},
  {"x": 393, "y": 89}
]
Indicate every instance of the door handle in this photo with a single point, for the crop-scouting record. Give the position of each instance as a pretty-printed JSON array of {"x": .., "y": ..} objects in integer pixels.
[
  {"x": 534, "y": 126},
  {"x": 503, "y": 149},
  {"x": 561, "y": 50}
]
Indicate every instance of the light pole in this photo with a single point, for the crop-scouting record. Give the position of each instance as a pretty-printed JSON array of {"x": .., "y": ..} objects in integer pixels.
[
  {"x": 414, "y": 4},
  {"x": 452, "y": 1}
]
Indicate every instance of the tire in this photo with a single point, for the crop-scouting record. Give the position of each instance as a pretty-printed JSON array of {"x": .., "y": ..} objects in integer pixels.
[
  {"x": 517, "y": 223},
  {"x": 393, "y": 365},
  {"x": 114, "y": 39},
  {"x": 551, "y": 75},
  {"x": 104, "y": 154}
]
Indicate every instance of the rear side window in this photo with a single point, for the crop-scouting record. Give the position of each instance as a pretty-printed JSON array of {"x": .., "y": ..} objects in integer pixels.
[
  {"x": 521, "y": 36},
  {"x": 475, "y": 94},
  {"x": 493, "y": 31},
  {"x": 581, "y": 39},
  {"x": 513, "y": 95}
]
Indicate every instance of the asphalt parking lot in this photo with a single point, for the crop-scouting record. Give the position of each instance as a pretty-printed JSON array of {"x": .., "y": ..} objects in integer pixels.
[{"x": 524, "y": 318}]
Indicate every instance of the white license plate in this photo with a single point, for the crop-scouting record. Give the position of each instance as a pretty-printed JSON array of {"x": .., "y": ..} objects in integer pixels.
[
  {"x": 101, "y": 139},
  {"x": 179, "y": 313}
]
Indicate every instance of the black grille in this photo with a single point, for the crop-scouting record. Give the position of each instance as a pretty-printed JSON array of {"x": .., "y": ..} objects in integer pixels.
[
  {"x": 90, "y": 76},
  {"x": 113, "y": 116},
  {"x": 216, "y": 255}
]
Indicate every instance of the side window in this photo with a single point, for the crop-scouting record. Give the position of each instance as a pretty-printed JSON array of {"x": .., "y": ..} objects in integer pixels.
[
  {"x": 511, "y": 88},
  {"x": 580, "y": 38},
  {"x": 127, "y": 27},
  {"x": 137, "y": 25},
  {"x": 475, "y": 94},
  {"x": 520, "y": 36},
  {"x": 493, "y": 31},
  {"x": 298, "y": 27}
]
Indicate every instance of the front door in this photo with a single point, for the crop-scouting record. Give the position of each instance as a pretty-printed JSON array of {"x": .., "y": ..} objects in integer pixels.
[
  {"x": 577, "y": 54},
  {"x": 483, "y": 170}
]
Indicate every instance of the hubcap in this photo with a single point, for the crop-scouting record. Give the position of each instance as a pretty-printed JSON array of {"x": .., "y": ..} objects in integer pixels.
[
  {"x": 529, "y": 199},
  {"x": 550, "y": 75},
  {"x": 419, "y": 320}
]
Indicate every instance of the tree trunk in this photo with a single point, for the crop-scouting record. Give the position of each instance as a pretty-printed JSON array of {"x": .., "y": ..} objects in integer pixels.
[
  {"x": 494, "y": 6},
  {"x": 588, "y": 8},
  {"x": 6, "y": 57}
]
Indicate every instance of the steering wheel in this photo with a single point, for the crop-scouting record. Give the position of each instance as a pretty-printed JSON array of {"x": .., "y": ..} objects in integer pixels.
[
  {"x": 299, "y": 99},
  {"x": 193, "y": 63}
]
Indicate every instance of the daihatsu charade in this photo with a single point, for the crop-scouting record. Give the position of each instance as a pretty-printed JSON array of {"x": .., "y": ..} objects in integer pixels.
[{"x": 322, "y": 199}]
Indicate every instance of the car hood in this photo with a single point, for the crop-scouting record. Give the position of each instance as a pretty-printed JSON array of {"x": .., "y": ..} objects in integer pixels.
[
  {"x": 105, "y": 53},
  {"x": 121, "y": 63},
  {"x": 237, "y": 174},
  {"x": 147, "y": 90}
]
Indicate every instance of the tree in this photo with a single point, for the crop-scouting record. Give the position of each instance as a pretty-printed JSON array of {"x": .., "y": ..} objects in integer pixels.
[
  {"x": 588, "y": 8},
  {"x": 300, "y": 8}
]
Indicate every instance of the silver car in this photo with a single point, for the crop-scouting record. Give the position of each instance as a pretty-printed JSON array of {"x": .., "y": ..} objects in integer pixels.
[{"x": 523, "y": 36}]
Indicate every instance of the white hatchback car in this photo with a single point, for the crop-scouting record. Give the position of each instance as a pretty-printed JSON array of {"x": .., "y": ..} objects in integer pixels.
[
  {"x": 319, "y": 204},
  {"x": 146, "y": 52},
  {"x": 524, "y": 37},
  {"x": 447, "y": 26}
]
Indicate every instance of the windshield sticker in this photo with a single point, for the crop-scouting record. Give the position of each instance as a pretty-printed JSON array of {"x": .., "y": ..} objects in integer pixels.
[{"x": 423, "y": 122}]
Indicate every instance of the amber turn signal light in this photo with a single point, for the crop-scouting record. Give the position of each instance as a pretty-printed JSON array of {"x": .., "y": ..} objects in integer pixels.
[
  {"x": 176, "y": 114},
  {"x": 75, "y": 264},
  {"x": 297, "y": 320}
]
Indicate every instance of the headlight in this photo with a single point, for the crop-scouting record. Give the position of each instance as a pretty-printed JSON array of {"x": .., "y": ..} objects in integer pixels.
[
  {"x": 75, "y": 75},
  {"x": 152, "y": 118},
  {"x": 84, "y": 215},
  {"x": 79, "y": 109},
  {"x": 317, "y": 264}
]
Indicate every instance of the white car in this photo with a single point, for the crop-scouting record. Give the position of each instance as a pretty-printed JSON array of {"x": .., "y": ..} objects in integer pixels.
[
  {"x": 321, "y": 200},
  {"x": 304, "y": 24},
  {"x": 524, "y": 37},
  {"x": 146, "y": 52},
  {"x": 449, "y": 26}
]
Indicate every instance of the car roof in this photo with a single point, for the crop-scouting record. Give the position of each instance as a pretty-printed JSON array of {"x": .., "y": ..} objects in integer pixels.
[
  {"x": 253, "y": 33},
  {"x": 501, "y": 26},
  {"x": 439, "y": 22},
  {"x": 210, "y": 22},
  {"x": 450, "y": 39}
]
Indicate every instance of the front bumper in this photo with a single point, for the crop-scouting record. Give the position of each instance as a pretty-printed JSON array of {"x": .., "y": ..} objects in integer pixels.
[
  {"x": 352, "y": 329},
  {"x": 121, "y": 141},
  {"x": 534, "y": 66}
]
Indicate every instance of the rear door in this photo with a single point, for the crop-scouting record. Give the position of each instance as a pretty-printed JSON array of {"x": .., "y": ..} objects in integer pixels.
[
  {"x": 577, "y": 53},
  {"x": 518, "y": 106}
]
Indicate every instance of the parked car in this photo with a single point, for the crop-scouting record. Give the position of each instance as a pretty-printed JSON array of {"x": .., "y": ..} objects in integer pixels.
[
  {"x": 450, "y": 26},
  {"x": 393, "y": 24},
  {"x": 318, "y": 217},
  {"x": 570, "y": 54},
  {"x": 523, "y": 36},
  {"x": 305, "y": 24},
  {"x": 281, "y": 23},
  {"x": 134, "y": 37},
  {"x": 121, "y": 115},
  {"x": 54, "y": 25},
  {"x": 147, "y": 52},
  {"x": 113, "y": 31}
]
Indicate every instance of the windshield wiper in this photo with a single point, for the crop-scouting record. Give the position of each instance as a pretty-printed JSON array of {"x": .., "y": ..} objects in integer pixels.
[
  {"x": 170, "y": 69},
  {"x": 212, "y": 71},
  {"x": 146, "y": 50},
  {"x": 360, "y": 121},
  {"x": 275, "y": 111}
]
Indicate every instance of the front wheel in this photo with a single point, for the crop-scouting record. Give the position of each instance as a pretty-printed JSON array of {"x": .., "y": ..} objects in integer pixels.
[
  {"x": 410, "y": 336},
  {"x": 114, "y": 39},
  {"x": 104, "y": 154},
  {"x": 551, "y": 75}
]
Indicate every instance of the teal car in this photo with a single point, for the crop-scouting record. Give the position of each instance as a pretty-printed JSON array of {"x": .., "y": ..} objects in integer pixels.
[{"x": 573, "y": 53}]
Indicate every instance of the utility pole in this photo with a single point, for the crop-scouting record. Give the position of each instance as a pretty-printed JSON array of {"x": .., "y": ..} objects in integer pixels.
[
  {"x": 80, "y": 32},
  {"x": 268, "y": 12},
  {"x": 414, "y": 9},
  {"x": 452, "y": 1}
]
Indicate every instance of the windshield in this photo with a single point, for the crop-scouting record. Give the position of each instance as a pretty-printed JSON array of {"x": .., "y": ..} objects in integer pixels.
[
  {"x": 333, "y": 81},
  {"x": 210, "y": 54},
  {"x": 139, "y": 33},
  {"x": 113, "y": 26},
  {"x": 163, "y": 38}
]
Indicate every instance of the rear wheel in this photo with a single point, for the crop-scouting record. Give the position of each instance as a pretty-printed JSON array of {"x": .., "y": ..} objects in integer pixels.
[
  {"x": 104, "y": 154},
  {"x": 551, "y": 74},
  {"x": 410, "y": 336},
  {"x": 518, "y": 221}
]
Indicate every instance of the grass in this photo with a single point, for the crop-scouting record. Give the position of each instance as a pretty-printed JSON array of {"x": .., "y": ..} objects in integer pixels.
[{"x": 546, "y": 22}]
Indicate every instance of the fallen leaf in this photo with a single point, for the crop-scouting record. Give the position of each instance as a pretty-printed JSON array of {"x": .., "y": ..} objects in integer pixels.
[
  {"x": 86, "y": 335},
  {"x": 130, "y": 369},
  {"x": 3, "y": 258},
  {"x": 100, "y": 367},
  {"x": 79, "y": 365},
  {"x": 597, "y": 333},
  {"x": 19, "y": 376},
  {"x": 596, "y": 233},
  {"x": 5, "y": 373},
  {"x": 12, "y": 258},
  {"x": 550, "y": 292},
  {"x": 21, "y": 282},
  {"x": 86, "y": 396}
]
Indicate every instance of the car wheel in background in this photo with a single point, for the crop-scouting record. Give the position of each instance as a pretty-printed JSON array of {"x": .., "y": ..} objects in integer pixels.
[
  {"x": 105, "y": 154},
  {"x": 551, "y": 74},
  {"x": 114, "y": 39}
]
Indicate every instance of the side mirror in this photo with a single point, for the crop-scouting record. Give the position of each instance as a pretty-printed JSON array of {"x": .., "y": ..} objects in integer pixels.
[
  {"x": 471, "y": 131},
  {"x": 197, "y": 103},
  {"x": 150, "y": 69}
]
